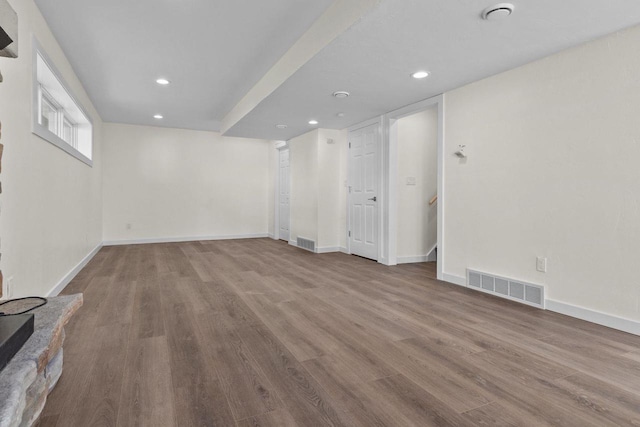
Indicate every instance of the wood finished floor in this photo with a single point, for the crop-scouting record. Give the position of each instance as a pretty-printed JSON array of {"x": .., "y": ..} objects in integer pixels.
[{"x": 258, "y": 333}]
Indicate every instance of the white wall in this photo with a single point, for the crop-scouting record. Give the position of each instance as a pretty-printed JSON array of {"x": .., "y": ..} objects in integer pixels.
[
  {"x": 303, "y": 155},
  {"x": 552, "y": 171},
  {"x": 332, "y": 196},
  {"x": 174, "y": 183},
  {"x": 51, "y": 202},
  {"x": 318, "y": 194},
  {"x": 417, "y": 158}
]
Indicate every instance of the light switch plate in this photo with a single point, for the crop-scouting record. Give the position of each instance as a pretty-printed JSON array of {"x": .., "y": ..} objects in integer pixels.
[{"x": 411, "y": 180}]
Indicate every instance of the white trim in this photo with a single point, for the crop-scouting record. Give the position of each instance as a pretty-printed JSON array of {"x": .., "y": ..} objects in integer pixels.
[
  {"x": 365, "y": 124},
  {"x": 429, "y": 257},
  {"x": 272, "y": 236},
  {"x": 73, "y": 272},
  {"x": 184, "y": 239},
  {"x": 328, "y": 249},
  {"x": 280, "y": 146},
  {"x": 36, "y": 127},
  {"x": 411, "y": 259},
  {"x": 456, "y": 280},
  {"x": 593, "y": 316},
  {"x": 324, "y": 249},
  {"x": 390, "y": 143},
  {"x": 389, "y": 152}
]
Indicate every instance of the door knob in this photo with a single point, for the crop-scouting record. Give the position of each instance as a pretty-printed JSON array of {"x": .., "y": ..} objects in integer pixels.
[{"x": 374, "y": 198}]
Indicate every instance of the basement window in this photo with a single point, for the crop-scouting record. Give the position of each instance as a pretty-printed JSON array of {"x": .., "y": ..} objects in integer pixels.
[{"x": 57, "y": 116}]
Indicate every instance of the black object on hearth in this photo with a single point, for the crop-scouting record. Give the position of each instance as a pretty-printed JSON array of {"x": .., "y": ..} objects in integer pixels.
[
  {"x": 14, "y": 332},
  {"x": 5, "y": 40}
]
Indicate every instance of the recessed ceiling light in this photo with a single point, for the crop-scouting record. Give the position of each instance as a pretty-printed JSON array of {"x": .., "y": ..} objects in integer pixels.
[
  {"x": 341, "y": 94},
  {"x": 158, "y": 116},
  {"x": 497, "y": 12},
  {"x": 281, "y": 126},
  {"x": 420, "y": 74},
  {"x": 340, "y": 114},
  {"x": 313, "y": 122},
  {"x": 163, "y": 82}
]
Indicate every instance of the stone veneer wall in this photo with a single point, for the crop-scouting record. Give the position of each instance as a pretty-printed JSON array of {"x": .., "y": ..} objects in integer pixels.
[{"x": 30, "y": 376}]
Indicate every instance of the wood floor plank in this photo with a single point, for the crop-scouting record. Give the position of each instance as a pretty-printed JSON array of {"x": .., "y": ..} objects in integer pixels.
[
  {"x": 301, "y": 394},
  {"x": 504, "y": 386},
  {"x": 610, "y": 404},
  {"x": 278, "y": 418},
  {"x": 147, "y": 396},
  {"x": 500, "y": 415},
  {"x": 259, "y": 333},
  {"x": 401, "y": 402},
  {"x": 99, "y": 405},
  {"x": 342, "y": 385},
  {"x": 247, "y": 390},
  {"x": 147, "y": 312},
  {"x": 48, "y": 421}
]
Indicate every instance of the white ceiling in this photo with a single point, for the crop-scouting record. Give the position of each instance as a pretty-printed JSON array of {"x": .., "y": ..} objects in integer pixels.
[
  {"x": 374, "y": 58},
  {"x": 215, "y": 51},
  {"x": 212, "y": 51}
]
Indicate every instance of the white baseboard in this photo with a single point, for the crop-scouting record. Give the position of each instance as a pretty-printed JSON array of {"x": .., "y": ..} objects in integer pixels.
[
  {"x": 328, "y": 249},
  {"x": 344, "y": 250},
  {"x": 271, "y": 236},
  {"x": 73, "y": 272},
  {"x": 456, "y": 280},
  {"x": 412, "y": 259},
  {"x": 593, "y": 316},
  {"x": 323, "y": 250},
  {"x": 183, "y": 239}
]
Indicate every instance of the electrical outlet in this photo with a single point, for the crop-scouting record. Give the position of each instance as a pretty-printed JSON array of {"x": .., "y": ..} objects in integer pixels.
[
  {"x": 128, "y": 226},
  {"x": 541, "y": 264},
  {"x": 411, "y": 180},
  {"x": 9, "y": 287}
]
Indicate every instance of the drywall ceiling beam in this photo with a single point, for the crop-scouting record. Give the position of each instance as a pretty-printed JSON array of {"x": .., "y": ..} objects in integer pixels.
[{"x": 341, "y": 15}]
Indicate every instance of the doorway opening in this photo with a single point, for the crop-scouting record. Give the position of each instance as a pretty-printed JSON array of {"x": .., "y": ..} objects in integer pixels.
[
  {"x": 417, "y": 187},
  {"x": 423, "y": 121}
]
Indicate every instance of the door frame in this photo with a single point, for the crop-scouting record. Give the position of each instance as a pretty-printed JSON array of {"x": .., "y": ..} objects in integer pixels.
[
  {"x": 280, "y": 146},
  {"x": 379, "y": 140},
  {"x": 390, "y": 147}
]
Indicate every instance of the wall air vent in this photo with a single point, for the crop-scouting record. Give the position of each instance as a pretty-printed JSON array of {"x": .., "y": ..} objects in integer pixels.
[
  {"x": 306, "y": 244},
  {"x": 515, "y": 290}
]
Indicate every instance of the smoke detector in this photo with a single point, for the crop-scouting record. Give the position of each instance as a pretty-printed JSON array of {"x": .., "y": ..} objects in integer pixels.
[
  {"x": 281, "y": 126},
  {"x": 341, "y": 94},
  {"x": 498, "y": 12}
]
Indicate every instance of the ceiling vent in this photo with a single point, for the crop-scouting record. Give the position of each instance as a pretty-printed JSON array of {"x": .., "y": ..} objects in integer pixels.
[{"x": 498, "y": 12}]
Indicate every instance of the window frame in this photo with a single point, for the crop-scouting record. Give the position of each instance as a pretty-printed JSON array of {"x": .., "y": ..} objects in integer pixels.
[{"x": 39, "y": 93}]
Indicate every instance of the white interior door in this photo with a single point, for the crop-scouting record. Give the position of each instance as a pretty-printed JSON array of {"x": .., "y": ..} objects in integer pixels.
[
  {"x": 364, "y": 196},
  {"x": 285, "y": 188}
]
